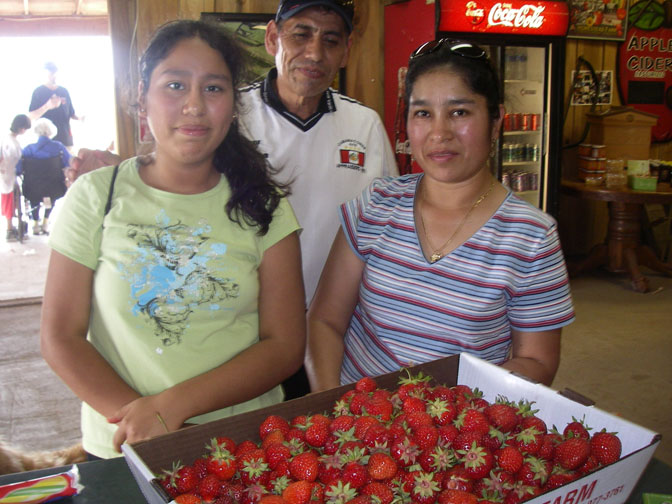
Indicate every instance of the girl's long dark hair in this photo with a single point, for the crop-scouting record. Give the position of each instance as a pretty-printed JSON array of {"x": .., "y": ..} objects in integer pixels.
[{"x": 254, "y": 194}]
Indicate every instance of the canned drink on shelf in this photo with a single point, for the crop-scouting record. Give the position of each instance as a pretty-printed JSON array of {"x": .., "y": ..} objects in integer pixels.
[
  {"x": 534, "y": 181},
  {"x": 516, "y": 119},
  {"x": 532, "y": 152},
  {"x": 507, "y": 122},
  {"x": 535, "y": 120},
  {"x": 525, "y": 122},
  {"x": 507, "y": 153},
  {"x": 519, "y": 154},
  {"x": 518, "y": 181},
  {"x": 506, "y": 179}
]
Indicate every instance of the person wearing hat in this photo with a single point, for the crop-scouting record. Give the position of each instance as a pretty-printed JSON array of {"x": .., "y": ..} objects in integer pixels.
[
  {"x": 62, "y": 112},
  {"x": 326, "y": 146}
]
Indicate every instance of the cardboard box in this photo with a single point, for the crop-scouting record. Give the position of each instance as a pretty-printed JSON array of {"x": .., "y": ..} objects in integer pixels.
[{"x": 610, "y": 485}]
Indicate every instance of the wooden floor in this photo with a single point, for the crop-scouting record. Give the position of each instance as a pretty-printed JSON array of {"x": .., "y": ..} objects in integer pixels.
[{"x": 617, "y": 353}]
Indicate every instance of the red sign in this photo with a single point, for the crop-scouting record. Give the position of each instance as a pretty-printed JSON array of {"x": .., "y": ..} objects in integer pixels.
[
  {"x": 645, "y": 76},
  {"x": 518, "y": 17}
]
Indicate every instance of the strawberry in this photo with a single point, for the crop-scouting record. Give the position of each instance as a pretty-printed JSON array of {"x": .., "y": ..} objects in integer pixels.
[
  {"x": 502, "y": 416},
  {"x": 225, "y": 443},
  {"x": 366, "y": 384},
  {"x": 417, "y": 418},
  {"x": 436, "y": 459},
  {"x": 209, "y": 487},
  {"x": 253, "y": 468},
  {"x": 450, "y": 496},
  {"x": 168, "y": 484},
  {"x": 381, "y": 466},
  {"x": 477, "y": 461},
  {"x": 576, "y": 428},
  {"x": 376, "y": 435},
  {"x": 186, "y": 479},
  {"x": 442, "y": 393},
  {"x": 441, "y": 411},
  {"x": 245, "y": 447},
  {"x": 572, "y": 452},
  {"x": 303, "y": 492},
  {"x": 339, "y": 493},
  {"x": 457, "y": 479},
  {"x": 274, "y": 437},
  {"x": 606, "y": 447},
  {"x": 472, "y": 420},
  {"x": 404, "y": 452},
  {"x": 304, "y": 466},
  {"x": 447, "y": 434},
  {"x": 188, "y": 498},
  {"x": 548, "y": 444},
  {"x": 362, "y": 424},
  {"x": 342, "y": 423},
  {"x": 277, "y": 453},
  {"x": 412, "y": 404},
  {"x": 317, "y": 434},
  {"x": 272, "y": 499},
  {"x": 534, "y": 471},
  {"x": 221, "y": 463},
  {"x": 380, "y": 492},
  {"x": 355, "y": 474},
  {"x": 426, "y": 436},
  {"x": 380, "y": 407},
  {"x": 529, "y": 440},
  {"x": 271, "y": 423},
  {"x": 509, "y": 458},
  {"x": 425, "y": 488}
]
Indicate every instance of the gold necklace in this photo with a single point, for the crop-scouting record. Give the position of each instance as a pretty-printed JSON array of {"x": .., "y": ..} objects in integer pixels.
[{"x": 437, "y": 254}]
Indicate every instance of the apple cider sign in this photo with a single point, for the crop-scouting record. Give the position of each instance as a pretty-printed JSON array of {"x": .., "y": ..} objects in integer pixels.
[
  {"x": 645, "y": 63},
  {"x": 516, "y": 17}
]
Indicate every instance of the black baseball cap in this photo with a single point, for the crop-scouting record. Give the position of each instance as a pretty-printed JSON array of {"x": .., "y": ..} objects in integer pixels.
[{"x": 343, "y": 8}]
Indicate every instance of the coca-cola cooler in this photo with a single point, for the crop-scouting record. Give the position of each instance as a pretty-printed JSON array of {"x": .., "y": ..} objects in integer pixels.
[{"x": 526, "y": 41}]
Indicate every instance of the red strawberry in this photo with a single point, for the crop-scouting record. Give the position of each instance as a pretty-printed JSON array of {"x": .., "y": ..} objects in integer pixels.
[
  {"x": 576, "y": 428},
  {"x": 534, "y": 471},
  {"x": 188, "y": 498},
  {"x": 271, "y": 423},
  {"x": 222, "y": 464},
  {"x": 272, "y": 499},
  {"x": 441, "y": 411},
  {"x": 209, "y": 487},
  {"x": 303, "y": 492},
  {"x": 443, "y": 393},
  {"x": 404, "y": 452},
  {"x": 225, "y": 443},
  {"x": 606, "y": 447},
  {"x": 425, "y": 488},
  {"x": 426, "y": 436},
  {"x": 376, "y": 435},
  {"x": 472, "y": 420},
  {"x": 274, "y": 437},
  {"x": 457, "y": 497},
  {"x": 355, "y": 474},
  {"x": 366, "y": 384},
  {"x": 277, "y": 453},
  {"x": 502, "y": 416},
  {"x": 342, "y": 423},
  {"x": 411, "y": 404},
  {"x": 477, "y": 461},
  {"x": 317, "y": 434},
  {"x": 509, "y": 458},
  {"x": 186, "y": 479},
  {"x": 379, "y": 491},
  {"x": 362, "y": 424},
  {"x": 381, "y": 466},
  {"x": 529, "y": 440},
  {"x": 304, "y": 466},
  {"x": 572, "y": 452},
  {"x": 417, "y": 418},
  {"x": 339, "y": 492},
  {"x": 457, "y": 479},
  {"x": 548, "y": 444},
  {"x": 245, "y": 447},
  {"x": 380, "y": 407}
]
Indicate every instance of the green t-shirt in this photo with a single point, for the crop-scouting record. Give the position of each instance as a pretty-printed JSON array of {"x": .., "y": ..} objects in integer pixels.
[{"x": 175, "y": 284}]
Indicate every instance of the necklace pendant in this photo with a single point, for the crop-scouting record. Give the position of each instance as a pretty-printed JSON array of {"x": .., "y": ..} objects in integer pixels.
[{"x": 435, "y": 257}]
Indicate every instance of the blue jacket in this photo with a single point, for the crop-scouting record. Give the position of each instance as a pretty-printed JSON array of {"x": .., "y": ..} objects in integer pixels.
[{"x": 44, "y": 148}]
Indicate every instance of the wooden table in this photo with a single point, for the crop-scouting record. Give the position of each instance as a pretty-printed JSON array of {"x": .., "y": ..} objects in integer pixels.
[{"x": 623, "y": 250}]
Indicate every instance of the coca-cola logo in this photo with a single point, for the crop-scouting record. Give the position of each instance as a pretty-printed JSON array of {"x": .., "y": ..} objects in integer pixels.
[
  {"x": 475, "y": 12},
  {"x": 527, "y": 16}
]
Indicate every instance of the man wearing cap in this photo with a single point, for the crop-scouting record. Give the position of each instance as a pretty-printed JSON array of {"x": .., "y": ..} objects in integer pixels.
[
  {"x": 60, "y": 114},
  {"x": 326, "y": 146}
]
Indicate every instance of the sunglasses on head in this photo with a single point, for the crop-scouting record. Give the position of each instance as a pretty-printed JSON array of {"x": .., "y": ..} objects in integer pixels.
[{"x": 459, "y": 47}]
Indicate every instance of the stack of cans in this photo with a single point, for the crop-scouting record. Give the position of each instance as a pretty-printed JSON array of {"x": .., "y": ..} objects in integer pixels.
[
  {"x": 521, "y": 181},
  {"x": 519, "y": 152}
]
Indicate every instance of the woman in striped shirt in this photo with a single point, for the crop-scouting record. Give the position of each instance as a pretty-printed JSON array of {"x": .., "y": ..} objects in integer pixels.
[{"x": 446, "y": 261}]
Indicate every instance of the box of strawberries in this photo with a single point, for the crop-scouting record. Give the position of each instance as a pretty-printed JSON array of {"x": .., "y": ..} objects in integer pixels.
[{"x": 457, "y": 430}]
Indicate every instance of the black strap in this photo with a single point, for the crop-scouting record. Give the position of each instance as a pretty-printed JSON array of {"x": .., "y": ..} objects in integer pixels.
[{"x": 108, "y": 205}]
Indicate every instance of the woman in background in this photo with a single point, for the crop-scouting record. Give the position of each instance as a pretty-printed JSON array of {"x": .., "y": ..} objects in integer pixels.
[
  {"x": 447, "y": 261},
  {"x": 184, "y": 302}
]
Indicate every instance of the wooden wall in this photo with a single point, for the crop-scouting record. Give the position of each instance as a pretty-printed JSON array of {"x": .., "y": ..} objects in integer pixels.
[
  {"x": 133, "y": 21},
  {"x": 583, "y": 224}
]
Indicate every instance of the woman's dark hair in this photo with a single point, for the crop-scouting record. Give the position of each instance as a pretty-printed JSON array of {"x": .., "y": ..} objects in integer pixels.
[
  {"x": 478, "y": 74},
  {"x": 254, "y": 195},
  {"x": 21, "y": 121}
]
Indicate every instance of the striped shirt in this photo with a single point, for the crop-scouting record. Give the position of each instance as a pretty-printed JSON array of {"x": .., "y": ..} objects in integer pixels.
[{"x": 510, "y": 274}]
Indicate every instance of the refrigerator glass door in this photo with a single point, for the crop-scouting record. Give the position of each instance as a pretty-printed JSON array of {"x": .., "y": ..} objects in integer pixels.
[{"x": 523, "y": 138}]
